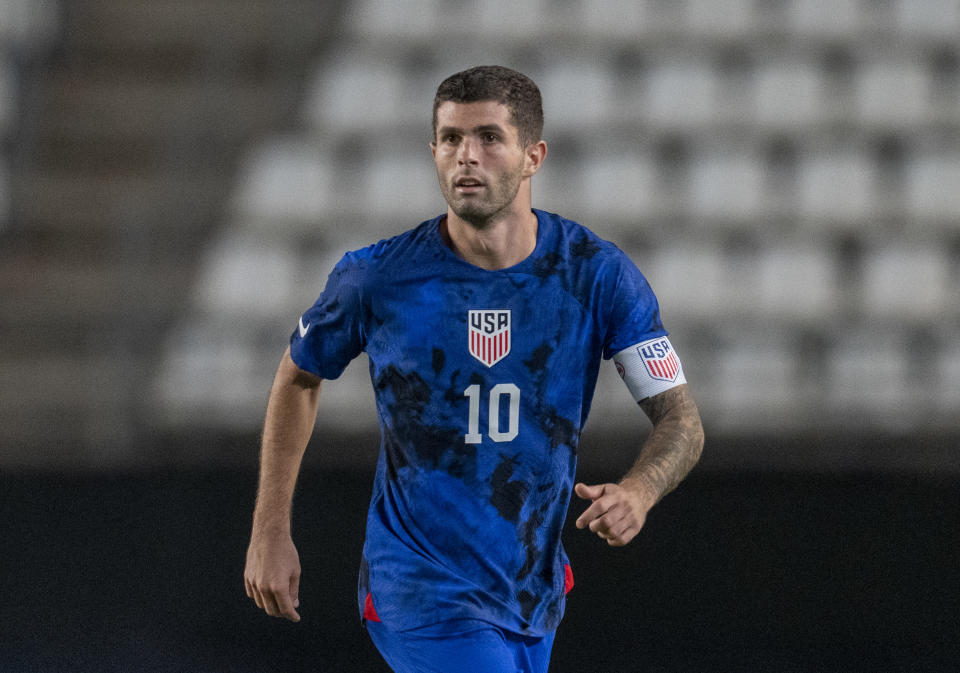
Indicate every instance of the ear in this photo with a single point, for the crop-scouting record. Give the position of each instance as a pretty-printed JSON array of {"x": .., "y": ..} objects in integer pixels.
[
  {"x": 433, "y": 148},
  {"x": 533, "y": 158}
]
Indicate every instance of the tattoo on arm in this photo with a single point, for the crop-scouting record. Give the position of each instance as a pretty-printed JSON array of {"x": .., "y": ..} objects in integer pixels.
[{"x": 673, "y": 446}]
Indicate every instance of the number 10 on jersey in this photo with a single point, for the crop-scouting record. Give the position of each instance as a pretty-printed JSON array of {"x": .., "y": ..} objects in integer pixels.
[{"x": 497, "y": 393}]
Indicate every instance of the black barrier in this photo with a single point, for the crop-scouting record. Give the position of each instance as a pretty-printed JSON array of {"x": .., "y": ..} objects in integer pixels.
[{"x": 733, "y": 572}]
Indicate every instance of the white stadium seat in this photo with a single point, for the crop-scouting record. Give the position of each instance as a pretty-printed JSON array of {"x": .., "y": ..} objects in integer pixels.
[
  {"x": 614, "y": 19},
  {"x": 926, "y": 19},
  {"x": 788, "y": 94},
  {"x": 285, "y": 179},
  {"x": 8, "y": 97},
  {"x": 725, "y": 187},
  {"x": 400, "y": 185},
  {"x": 893, "y": 93},
  {"x": 836, "y": 186},
  {"x": 4, "y": 193},
  {"x": 577, "y": 94},
  {"x": 246, "y": 275},
  {"x": 792, "y": 281},
  {"x": 619, "y": 185},
  {"x": 933, "y": 188},
  {"x": 690, "y": 280},
  {"x": 946, "y": 399},
  {"x": 400, "y": 19},
  {"x": 755, "y": 384},
  {"x": 868, "y": 374},
  {"x": 679, "y": 94},
  {"x": 720, "y": 18},
  {"x": 907, "y": 280},
  {"x": 27, "y": 24},
  {"x": 341, "y": 96},
  {"x": 825, "y": 18}
]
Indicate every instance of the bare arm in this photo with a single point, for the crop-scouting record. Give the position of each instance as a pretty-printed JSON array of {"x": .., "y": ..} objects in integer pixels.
[
  {"x": 272, "y": 574},
  {"x": 670, "y": 451}
]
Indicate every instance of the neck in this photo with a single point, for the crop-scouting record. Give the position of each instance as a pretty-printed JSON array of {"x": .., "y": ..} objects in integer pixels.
[{"x": 497, "y": 245}]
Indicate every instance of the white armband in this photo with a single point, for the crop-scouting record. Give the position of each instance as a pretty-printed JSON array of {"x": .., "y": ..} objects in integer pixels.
[{"x": 649, "y": 368}]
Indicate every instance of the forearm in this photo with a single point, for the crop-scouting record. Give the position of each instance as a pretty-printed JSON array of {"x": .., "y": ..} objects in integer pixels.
[
  {"x": 290, "y": 418},
  {"x": 672, "y": 448}
]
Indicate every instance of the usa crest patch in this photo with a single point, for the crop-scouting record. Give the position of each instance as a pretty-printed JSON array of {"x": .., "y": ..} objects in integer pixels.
[
  {"x": 659, "y": 359},
  {"x": 488, "y": 335}
]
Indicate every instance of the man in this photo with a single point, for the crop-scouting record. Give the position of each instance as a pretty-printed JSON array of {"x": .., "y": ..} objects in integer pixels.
[{"x": 485, "y": 328}]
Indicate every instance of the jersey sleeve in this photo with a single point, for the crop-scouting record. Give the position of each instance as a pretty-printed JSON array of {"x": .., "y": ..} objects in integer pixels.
[
  {"x": 330, "y": 334},
  {"x": 634, "y": 314}
]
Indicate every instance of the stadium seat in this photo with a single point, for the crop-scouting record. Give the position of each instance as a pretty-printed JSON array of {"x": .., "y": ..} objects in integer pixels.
[
  {"x": 690, "y": 279},
  {"x": 679, "y": 94},
  {"x": 577, "y": 94},
  {"x": 892, "y": 93},
  {"x": 946, "y": 400},
  {"x": 928, "y": 19},
  {"x": 933, "y": 189},
  {"x": 720, "y": 19},
  {"x": 4, "y": 192},
  {"x": 28, "y": 24},
  {"x": 246, "y": 276},
  {"x": 868, "y": 375},
  {"x": 8, "y": 97},
  {"x": 792, "y": 282},
  {"x": 619, "y": 186},
  {"x": 400, "y": 185},
  {"x": 826, "y": 19},
  {"x": 406, "y": 19},
  {"x": 788, "y": 95},
  {"x": 285, "y": 180},
  {"x": 756, "y": 375},
  {"x": 615, "y": 19},
  {"x": 907, "y": 280},
  {"x": 836, "y": 186},
  {"x": 339, "y": 99},
  {"x": 726, "y": 186}
]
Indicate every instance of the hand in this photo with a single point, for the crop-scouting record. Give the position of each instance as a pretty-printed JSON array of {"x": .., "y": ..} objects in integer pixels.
[
  {"x": 272, "y": 575},
  {"x": 616, "y": 515}
]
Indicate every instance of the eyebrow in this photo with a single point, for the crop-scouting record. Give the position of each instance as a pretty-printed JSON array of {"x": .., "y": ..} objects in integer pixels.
[{"x": 485, "y": 128}]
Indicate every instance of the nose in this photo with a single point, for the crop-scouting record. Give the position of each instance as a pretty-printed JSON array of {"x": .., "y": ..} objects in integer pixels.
[{"x": 467, "y": 152}]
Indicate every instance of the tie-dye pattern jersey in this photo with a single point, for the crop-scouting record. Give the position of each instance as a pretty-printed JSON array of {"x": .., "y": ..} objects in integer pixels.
[{"x": 483, "y": 382}]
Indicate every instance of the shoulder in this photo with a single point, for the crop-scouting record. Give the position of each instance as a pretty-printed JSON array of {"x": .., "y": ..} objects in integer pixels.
[
  {"x": 581, "y": 244},
  {"x": 400, "y": 249},
  {"x": 584, "y": 253}
]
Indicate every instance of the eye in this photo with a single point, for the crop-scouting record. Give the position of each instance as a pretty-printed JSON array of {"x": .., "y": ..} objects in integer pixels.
[{"x": 490, "y": 137}]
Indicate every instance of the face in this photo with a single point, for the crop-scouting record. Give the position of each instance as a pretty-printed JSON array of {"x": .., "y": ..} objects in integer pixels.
[{"x": 480, "y": 163}]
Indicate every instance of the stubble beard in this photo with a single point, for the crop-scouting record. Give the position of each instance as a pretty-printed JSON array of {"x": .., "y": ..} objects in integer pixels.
[{"x": 481, "y": 213}]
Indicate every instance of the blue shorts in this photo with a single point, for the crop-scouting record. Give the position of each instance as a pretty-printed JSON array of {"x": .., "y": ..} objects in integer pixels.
[{"x": 461, "y": 646}]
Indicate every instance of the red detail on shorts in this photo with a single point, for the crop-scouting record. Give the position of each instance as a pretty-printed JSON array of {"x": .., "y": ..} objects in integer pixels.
[
  {"x": 567, "y": 578},
  {"x": 370, "y": 612}
]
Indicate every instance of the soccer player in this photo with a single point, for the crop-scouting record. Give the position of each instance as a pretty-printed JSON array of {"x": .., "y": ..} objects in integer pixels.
[{"x": 485, "y": 328}]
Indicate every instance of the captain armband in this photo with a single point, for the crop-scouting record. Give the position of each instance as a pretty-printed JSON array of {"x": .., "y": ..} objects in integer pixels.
[{"x": 649, "y": 368}]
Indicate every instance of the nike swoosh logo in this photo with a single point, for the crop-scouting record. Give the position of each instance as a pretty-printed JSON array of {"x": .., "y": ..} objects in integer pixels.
[{"x": 303, "y": 328}]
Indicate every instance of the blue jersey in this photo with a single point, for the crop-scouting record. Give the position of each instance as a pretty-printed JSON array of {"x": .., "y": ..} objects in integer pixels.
[{"x": 483, "y": 382}]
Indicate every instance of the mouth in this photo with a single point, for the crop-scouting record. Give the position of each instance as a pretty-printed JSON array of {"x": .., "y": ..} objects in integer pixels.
[{"x": 468, "y": 185}]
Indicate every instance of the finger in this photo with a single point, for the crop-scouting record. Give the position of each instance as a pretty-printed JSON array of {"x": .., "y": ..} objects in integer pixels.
[
  {"x": 624, "y": 537},
  {"x": 612, "y": 520},
  {"x": 284, "y": 604},
  {"x": 591, "y": 514},
  {"x": 589, "y": 492},
  {"x": 257, "y": 597},
  {"x": 295, "y": 591},
  {"x": 269, "y": 603}
]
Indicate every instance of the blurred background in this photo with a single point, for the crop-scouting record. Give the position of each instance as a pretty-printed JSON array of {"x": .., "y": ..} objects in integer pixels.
[{"x": 177, "y": 179}]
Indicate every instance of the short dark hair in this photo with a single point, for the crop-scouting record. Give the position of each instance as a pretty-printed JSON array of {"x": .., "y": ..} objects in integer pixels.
[{"x": 503, "y": 85}]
